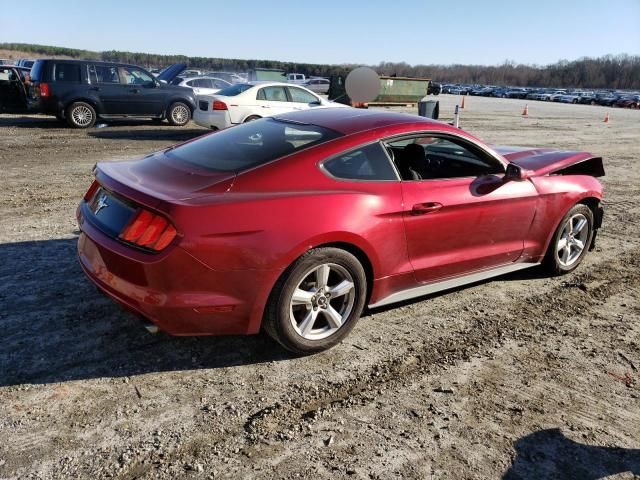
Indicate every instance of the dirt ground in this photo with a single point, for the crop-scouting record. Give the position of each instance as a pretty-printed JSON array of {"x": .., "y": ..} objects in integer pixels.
[{"x": 521, "y": 377}]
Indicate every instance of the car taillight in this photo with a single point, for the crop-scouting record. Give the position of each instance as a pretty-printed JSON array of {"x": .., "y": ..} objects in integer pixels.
[
  {"x": 92, "y": 190},
  {"x": 218, "y": 105},
  {"x": 149, "y": 230},
  {"x": 44, "y": 89}
]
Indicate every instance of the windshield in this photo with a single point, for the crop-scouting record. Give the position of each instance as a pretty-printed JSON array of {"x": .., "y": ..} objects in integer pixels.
[
  {"x": 234, "y": 90},
  {"x": 251, "y": 144}
]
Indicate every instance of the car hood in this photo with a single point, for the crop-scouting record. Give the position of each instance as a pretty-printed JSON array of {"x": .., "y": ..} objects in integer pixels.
[
  {"x": 156, "y": 178},
  {"x": 171, "y": 72},
  {"x": 542, "y": 161}
]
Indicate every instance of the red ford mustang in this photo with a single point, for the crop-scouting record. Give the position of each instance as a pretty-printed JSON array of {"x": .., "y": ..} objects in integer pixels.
[{"x": 293, "y": 224}]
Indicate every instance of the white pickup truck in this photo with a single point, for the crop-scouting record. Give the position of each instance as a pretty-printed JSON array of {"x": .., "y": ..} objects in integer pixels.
[{"x": 298, "y": 78}]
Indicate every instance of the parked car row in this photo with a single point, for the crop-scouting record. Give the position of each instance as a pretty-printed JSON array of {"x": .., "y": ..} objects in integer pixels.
[
  {"x": 81, "y": 91},
  {"x": 607, "y": 98}
]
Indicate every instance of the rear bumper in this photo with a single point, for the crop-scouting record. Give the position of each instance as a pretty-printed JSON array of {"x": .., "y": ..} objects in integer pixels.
[
  {"x": 174, "y": 290},
  {"x": 215, "y": 119}
]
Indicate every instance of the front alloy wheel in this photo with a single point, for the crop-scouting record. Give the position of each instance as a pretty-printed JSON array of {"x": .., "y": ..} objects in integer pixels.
[
  {"x": 317, "y": 301},
  {"x": 179, "y": 114},
  {"x": 571, "y": 240}
]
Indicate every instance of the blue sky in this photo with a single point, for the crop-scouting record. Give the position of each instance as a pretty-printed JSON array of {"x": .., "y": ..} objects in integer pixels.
[{"x": 329, "y": 31}]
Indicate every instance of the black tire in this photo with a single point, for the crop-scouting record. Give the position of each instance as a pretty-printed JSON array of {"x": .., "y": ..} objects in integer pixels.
[
  {"x": 80, "y": 115},
  {"x": 251, "y": 118},
  {"x": 278, "y": 322},
  {"x": 178, "y": 114},
  {"x": 552, "y": 261}
]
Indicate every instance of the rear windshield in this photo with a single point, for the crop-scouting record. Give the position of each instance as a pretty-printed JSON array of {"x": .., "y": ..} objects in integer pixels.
[
  {"x": 234, "y": 90},
  {"x": 251, "y": 144},
  {"x": 36, "y": 71}
]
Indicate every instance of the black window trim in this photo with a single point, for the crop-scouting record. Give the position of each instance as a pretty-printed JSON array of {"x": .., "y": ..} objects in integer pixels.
[
  {"x": 446, "y": 135},
  {"x": 324, "y": 169}
]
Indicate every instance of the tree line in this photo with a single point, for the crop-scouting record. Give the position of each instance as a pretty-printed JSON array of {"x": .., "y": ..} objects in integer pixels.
[{"x": 609, "y": 71}]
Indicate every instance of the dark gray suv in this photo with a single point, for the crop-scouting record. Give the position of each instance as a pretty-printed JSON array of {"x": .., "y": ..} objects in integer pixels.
[{"x": 80, "y": 91}]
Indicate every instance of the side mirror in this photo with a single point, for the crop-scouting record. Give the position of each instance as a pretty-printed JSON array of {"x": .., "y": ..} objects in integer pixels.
[
  {"x": 317, "y": 103},
  {"x": 514, "y": 172}
]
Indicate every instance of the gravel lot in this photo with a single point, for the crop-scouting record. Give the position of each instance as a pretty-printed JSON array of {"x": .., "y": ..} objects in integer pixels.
[{"x": 521, "y": 377}]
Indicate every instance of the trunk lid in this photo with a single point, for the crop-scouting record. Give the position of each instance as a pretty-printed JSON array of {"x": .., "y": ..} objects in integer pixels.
[
  {"x": 156, "y": 178},
  {"x": 542, "y": 161}
]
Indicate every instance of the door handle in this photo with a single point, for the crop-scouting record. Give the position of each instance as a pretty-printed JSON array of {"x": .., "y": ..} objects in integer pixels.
[
  {"x": 135, "y": 90},
  {"x": 97, "y": 89},
  {"x": 428, "y": 207}
]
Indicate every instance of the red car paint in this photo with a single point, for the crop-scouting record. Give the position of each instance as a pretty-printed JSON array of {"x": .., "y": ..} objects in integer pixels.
[{"x": 237, "y": 233}]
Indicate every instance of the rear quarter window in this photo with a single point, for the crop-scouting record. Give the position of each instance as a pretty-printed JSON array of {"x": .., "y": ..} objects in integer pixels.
[
  {"x": 66, "y": 72},
  {"x": 366, "y": 163}
]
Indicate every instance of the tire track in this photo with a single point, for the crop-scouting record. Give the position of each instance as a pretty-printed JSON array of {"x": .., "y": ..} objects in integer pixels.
[{"x": 539, "y": 313}]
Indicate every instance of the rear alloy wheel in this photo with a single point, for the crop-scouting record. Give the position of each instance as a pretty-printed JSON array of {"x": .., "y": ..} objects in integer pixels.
[
  {"x": 80, "y": 115},
  {"x": 571, "y": 240},
  {"x": 179, "y": 114},
  {"x": 317, "y": 301}
]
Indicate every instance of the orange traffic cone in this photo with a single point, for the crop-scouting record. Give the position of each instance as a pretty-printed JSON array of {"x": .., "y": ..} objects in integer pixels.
[
  {"x": 525, "y": 112},
  {"x": 462, "y": 104},
  {"x": 606, "y": 118}
]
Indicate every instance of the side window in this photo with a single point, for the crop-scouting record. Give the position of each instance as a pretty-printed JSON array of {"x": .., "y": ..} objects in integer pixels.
[
  {"x": 103, "y": 74},
  {"x": 300, "y": 96},
  {"x": 434, "y": 157},
  {"x": 66, "y": 72},
  {"x": 206, "y": 83},
  {"x": 134, "y": 76},
  {"x": 273, "y": 94},
  {"x": 366, "y": 163},
  {"x": 192, "y": 83},
  {"x": 219, "y": 84}
]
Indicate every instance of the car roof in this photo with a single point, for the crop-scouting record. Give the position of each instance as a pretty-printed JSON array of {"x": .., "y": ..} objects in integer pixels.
[
  {"x": 350, "y": 121},
  {"x": 93, "y": 62}
]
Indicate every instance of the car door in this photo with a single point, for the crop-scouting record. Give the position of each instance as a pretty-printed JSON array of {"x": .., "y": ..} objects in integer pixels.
[
  {"x": 302, "y": 99},
  {"x": 13, "y": 94},
  {"x": 105, "y": 84},
  {"x": 272, "y": 100},
  {"x": 460, "y": 213},
  {"x": 144, "y": 96}
]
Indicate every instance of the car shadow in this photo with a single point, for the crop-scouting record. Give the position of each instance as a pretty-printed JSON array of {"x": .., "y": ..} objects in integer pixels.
[
  {"x": 56, "y": 326},
  {"x": 116, "y": 128},
  {"x": 548, "y": 454},
  {"x": 173, "y": 134},
  {"x": 31, "y": 121}
]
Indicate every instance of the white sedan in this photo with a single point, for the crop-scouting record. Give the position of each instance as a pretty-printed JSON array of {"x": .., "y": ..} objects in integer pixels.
[
  {"x": 244, "y": 102},
  {"x": 204, "y": 85}
]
